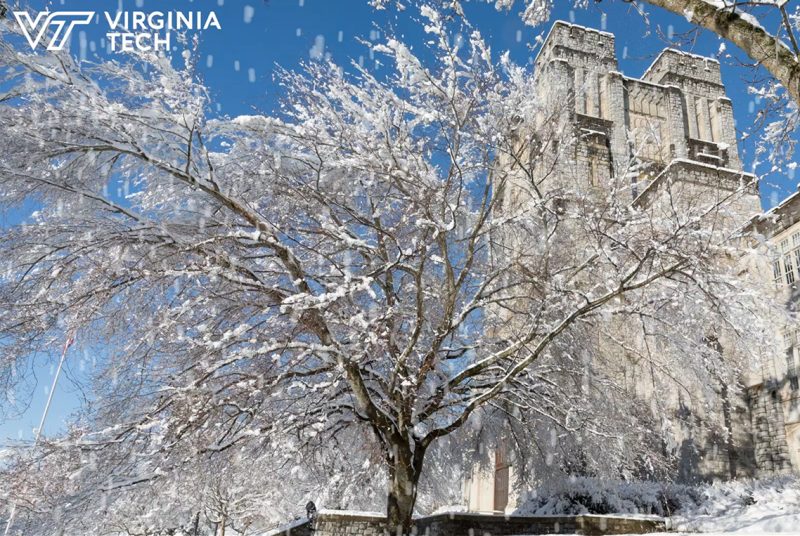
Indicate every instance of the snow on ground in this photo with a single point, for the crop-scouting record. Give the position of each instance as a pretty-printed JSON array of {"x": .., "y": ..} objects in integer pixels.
[
  {"x": 286, "y": 528},
  {"x": 745, "y": 507},
  {"x": 765, "y": 506},
  {"x": 743, "y": 532}
]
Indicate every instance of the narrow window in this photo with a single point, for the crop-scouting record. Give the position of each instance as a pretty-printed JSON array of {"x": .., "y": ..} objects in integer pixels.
[
  {"x": 716, "y": 132},
  {"x": 691, "y": 114},
  {"x": 776, "y": 271},
  {"x": 788, "y": 269},
  {"x": 591, "y": 94},
  {"x": 701, "y": 109},
  {"x": 791, "y": 368},
  {"x": 580, "y": 91},
  {"x": 603, "y": 100},
  {"x": 785, "y": 256}
]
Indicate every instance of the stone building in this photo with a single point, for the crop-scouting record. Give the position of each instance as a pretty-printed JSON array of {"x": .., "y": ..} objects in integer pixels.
[
  {"x": 672, "y": 128},
  {"x": 675, "y": 120},
  {"x": 773, "y": 389}
]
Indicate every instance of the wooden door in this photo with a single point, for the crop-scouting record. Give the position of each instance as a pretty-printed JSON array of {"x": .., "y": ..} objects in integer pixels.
[{"x": 501, "y": 474}]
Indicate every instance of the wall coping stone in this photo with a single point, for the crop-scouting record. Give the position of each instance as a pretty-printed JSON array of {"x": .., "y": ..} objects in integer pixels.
[
  {"x": 351, "y": 514},
  {"x": 587, "y": 524}
]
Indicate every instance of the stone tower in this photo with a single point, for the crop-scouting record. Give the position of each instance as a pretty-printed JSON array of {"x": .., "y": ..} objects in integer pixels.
[
  {"x": 672, "y": 130},
  {"x": 675, "y": 116}
]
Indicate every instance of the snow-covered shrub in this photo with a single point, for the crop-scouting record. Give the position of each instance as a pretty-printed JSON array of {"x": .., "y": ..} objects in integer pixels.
[
  {"x": 585, "y": 495},
  {"x": 691, "y": 504}
]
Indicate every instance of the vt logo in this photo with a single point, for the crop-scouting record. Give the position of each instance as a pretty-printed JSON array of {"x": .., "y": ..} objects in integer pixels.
[{"x": 62, "y": 23}]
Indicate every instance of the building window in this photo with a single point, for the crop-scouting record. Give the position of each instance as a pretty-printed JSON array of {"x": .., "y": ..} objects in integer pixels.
[
  {"x": 789, "y": 338},
  {"x": 797, "y": 259},
  {"x": 783, "y": 264},
  {"x": 580, "y": 91},
  {"x": 788, "y": 269},
  {"x": 603, "y": 97},
  {"x": 714, "y": 116},
  {"x": 598, "y": 164},
  {"x": 701, "y": 111},
  {"x": 791, "y": 369},
  {"x": 691, "y": 115}
]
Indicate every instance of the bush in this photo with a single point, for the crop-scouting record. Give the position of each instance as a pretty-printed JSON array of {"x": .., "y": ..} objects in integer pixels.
[{"x": 584, "y": 495}]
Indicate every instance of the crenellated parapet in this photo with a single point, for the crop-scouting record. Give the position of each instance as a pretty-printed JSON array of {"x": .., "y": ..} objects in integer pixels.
[{"x": 677, "y": 110}]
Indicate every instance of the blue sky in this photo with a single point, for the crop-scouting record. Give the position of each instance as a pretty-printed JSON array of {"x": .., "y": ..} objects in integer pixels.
[{"x": 238, "y": 63}]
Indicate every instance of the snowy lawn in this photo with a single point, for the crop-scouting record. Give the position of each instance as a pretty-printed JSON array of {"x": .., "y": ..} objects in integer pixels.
[
  {"x": 743, "y": 532},
  {"x": 766, "y": 506},
  {"x": 745, "y": 507}
]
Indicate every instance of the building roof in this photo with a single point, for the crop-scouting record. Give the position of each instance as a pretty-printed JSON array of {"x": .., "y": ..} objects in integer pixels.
[{"x": 779, "y": 218}]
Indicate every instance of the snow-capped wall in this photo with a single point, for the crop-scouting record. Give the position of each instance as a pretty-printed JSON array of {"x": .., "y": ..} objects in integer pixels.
[{"x": 347, "y": 523}]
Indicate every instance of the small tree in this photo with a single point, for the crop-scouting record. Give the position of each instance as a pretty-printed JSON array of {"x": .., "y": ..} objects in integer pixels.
[{"x": 344, "y": 265}]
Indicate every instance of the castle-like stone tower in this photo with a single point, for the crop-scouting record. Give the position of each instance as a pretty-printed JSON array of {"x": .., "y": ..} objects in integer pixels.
[
  {"x": 672, "y": 129},
  {"x": 663, "y": 141},
  {"x": 681, "y": 95},
  {"x": 675, "y": 116}
]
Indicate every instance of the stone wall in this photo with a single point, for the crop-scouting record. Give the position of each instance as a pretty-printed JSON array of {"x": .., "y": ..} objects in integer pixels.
[
  {"x": 496, "y": 525},
  {"x": 769, "y": 434},
  {"x": 349, "y": 524},
  {"x": 581, "y": 47},
  {"x": 470, "y": 524},
  {"x": 675, "y": 66}
]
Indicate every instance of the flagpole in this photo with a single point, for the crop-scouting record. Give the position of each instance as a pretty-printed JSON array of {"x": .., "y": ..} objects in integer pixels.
[{"x": 67, "y": 344}]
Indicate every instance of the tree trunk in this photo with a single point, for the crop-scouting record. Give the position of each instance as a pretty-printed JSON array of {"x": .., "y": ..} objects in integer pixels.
[{"x": 405, "y": 468}]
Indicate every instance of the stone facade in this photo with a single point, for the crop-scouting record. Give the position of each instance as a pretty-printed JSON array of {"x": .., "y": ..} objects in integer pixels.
[
  {"x": 774, "y": 387},
  {"x": 769, "y": 429},
  {"x": 677, "y": 111},
  {"x": 348, "y": 524},
  {"x": 675, "y": 124},
  {"x": 667, "y": 141}
]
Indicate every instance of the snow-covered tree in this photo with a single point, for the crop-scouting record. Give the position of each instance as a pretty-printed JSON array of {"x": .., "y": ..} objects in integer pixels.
[{"x": 336, "y": 279}]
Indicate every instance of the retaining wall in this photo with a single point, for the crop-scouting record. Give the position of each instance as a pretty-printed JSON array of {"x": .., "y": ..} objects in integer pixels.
[{"x": 333, "y": 523}]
